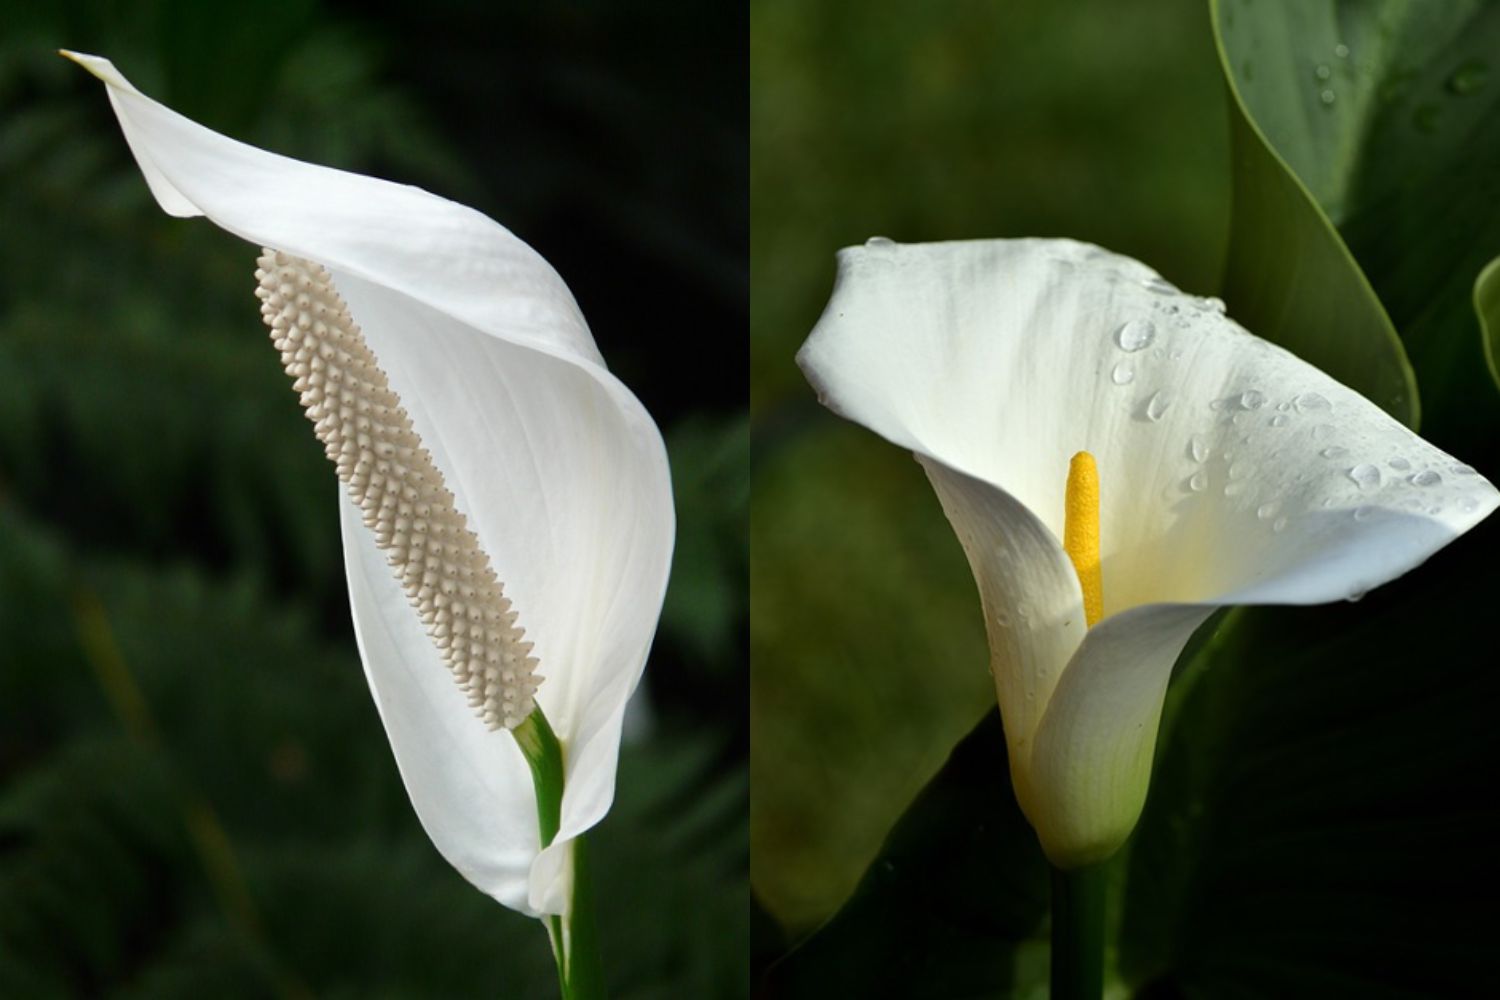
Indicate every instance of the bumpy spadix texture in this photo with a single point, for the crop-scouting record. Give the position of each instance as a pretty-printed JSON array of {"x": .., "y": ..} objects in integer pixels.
[
  {"x": 368, "y": 435},
  {"x": 1228, "y": 472}
]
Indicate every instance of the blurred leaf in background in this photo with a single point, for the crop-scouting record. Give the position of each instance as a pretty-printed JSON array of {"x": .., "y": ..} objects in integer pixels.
[
  {"x": 1316, "y": 826},
  {"x": 196, "y": 798}
]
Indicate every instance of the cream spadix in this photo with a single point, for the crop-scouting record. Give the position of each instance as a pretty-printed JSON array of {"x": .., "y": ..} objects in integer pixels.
[
  {"x": 1228, "y": 472},
  {"x": 368, "y": 435},
  {"x": 545, "y": 472}
]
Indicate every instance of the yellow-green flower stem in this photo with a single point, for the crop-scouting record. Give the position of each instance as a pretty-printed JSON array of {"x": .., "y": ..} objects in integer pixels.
[
  {"x": 575, "y": 943},
  {"x": 1078, "y": 932}
]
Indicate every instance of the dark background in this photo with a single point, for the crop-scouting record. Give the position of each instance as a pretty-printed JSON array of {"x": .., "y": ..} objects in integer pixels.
[{"x": 196, "y": 796}]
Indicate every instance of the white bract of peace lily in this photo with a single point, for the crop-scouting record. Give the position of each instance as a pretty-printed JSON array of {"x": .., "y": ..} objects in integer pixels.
[
  {"x": 1230, "y": 473},
  {"x": 555, "y": 466}
]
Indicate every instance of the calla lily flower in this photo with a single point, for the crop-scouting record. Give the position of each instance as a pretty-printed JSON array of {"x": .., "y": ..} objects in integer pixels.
[
  {"x": 1224, "y": 471},
  {"x": 502, "y": 451}
]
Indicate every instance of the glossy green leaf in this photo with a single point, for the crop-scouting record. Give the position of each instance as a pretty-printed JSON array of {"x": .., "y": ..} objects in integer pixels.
[
  {"x": 1487, "y": 306},
  {"x": 954, "y": 907},
  {"x": 1289, "y": 277},
  {"x": 1320, "y": 816},
  {"x": 869, "y": 662},
  {"x": 1384, "y": 113}
]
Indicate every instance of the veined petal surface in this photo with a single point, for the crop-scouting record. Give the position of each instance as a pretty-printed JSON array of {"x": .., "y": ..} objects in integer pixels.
[
  {"x": 559, "y": 469},
  {"x": 1231, "y": 472}
]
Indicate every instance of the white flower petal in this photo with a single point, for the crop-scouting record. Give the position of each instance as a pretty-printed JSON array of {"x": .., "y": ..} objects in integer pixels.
[
  {"x": 1091, "y": 762},
  {"x": 1230, "y": 472},
  {"x": 1033, "y": 606},
  {"x": 1002, "y": 358},
  {"x": 560, "y": 470}
]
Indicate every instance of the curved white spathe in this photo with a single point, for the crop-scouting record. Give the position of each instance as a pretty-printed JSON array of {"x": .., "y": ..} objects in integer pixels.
[
  {"x": 560, "y": 470},
  {"x": 1230, "y": 472}
]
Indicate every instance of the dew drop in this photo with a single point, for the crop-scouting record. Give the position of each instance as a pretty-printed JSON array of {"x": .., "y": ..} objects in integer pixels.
[
  {"x": 1399, "y": 464},
  {"x": 1136, "y": 334},
  {"x": 1311, "y": 402},
  {"x": 1463, "y": 470},
  {"x": 1279, "y": 420},
  {"x": 880, "y": 241},
  {"x": 1266, "y": 510},
  {"x": 1157, "y": 405},
  {"x": 1334, "y": 452},
  {"x": 1159, "y": 286},
  {"x": 1122, "y": 374},
  {"x": 1327, "y": 96},
  {"x": 1240, "y": 470},
  {"x": 1365, "y": 476},
  {"x": 1252, "y": 399},
  {"x": 1198, "y": 448},
  {"x": 1355, "y": 595},
  {"x": 1322, "y": 72},
  {"x": 1341, "y": 50},
  {"x": 1235, "y": 489},
  {"x": 1198, "y": 481},
  {"x": 1427, "y": 478},
  {"x": 1363, "y": 513}
]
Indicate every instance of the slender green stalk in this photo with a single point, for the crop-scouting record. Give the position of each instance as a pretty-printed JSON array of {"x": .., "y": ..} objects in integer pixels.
[
  {"x": 1078, "y": 933},
  {"x": 575, "y": 943}
]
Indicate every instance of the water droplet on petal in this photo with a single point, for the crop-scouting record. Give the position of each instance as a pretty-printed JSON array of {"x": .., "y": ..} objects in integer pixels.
[
  {"x": 1327, "y": 96},
  {"x": 1278, "y": 421},
  {"x": 1427, "y": 478},
  {"x": 1198, "y": 481},
  {"x": 1198, "y": 448},
  {"x": 1399, "y": 464},
  {"x": 1240, "y": 470},
  {"x": 1266, "y": 510},
  {"x": 1252, "y": 399},
  {"x": 1365, "y": 476},
  {"x": 880, "y": 241},
  {"x": 1463, "y": 470},
  {"x": 1157, "y": 405},
  {"x": 1309, "y": 402},
  {"x": 1355, "y": 595},
  {"x": 1322, "y": 72},
  {"x": 1122, "y": 374},
  {"x": 1334, "y": 452},
  {"x": 1341, "y": 50},
  {"x": 1159, "y": 286},
  {"x": 1135, "y": 334},
  {"x": 1362, "y": 513}
]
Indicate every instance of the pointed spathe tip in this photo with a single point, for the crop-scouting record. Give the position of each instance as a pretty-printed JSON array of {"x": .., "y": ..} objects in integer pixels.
[{"x": 98, "y": 66}]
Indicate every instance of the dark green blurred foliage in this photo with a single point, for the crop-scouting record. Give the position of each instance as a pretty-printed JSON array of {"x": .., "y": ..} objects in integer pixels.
[
  {"x": 196, "y": 796},
  {"x": 1321, "y": 816}
]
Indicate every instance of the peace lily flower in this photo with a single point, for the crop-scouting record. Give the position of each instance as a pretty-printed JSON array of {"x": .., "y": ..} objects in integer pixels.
[
  {"x": 509, "y": 511},
  {"x": 1212, "y": 469}
]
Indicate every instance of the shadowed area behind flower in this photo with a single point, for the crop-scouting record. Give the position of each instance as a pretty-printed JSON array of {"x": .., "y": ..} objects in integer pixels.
[{"x": 196, "y": 797}]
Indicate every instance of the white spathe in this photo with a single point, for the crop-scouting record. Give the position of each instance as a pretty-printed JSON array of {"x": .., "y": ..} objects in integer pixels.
[
  {"x": 1230, "y": 472},
  {"x": 560, "y": 470}
]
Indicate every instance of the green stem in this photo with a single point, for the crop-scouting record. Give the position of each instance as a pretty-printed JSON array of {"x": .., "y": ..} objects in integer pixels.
[
  {"x": 575, "y": 943},
  {"x": 1078, "y": 933}
]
